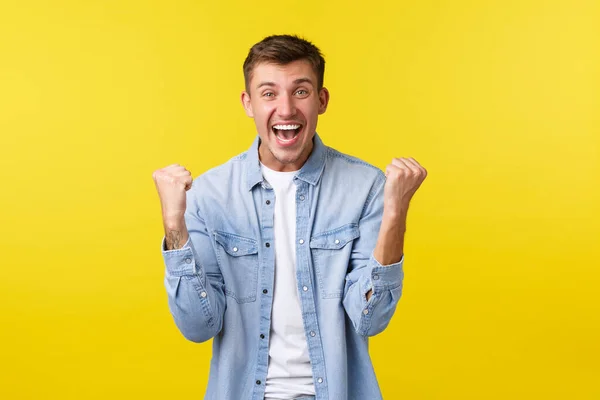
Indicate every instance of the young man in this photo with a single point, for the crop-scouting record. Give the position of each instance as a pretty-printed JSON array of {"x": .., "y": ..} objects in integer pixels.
[{"x": 289, "y": 255}]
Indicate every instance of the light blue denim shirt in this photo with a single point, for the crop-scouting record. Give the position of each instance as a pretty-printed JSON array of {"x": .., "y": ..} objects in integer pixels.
[{"x": 220, "y": 284}]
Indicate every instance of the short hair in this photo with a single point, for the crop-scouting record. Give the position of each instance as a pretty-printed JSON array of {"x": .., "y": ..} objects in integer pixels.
[{"x": 284, "y": 49}]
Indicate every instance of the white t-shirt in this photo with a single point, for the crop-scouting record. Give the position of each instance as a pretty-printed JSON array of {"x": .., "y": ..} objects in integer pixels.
[{"x": 289, "y": 374}]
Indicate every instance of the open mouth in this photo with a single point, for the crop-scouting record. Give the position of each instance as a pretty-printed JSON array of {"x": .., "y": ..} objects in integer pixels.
[{"x": 286, "y": 133}]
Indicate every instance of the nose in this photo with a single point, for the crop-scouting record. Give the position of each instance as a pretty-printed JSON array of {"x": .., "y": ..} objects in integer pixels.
[{"x": 286, "y": 107}]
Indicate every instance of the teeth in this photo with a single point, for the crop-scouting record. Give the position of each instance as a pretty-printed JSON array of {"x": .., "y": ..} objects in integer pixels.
[{"x": 286, "y": 127}]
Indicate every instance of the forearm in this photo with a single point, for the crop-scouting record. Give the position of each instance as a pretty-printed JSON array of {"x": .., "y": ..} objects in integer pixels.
[
  {"x": 193, "y": 280},
  {"x": 390, "y": 242},
  {"x": 389, "y": 248},
  {"x": 176, "y": 233},
  {"x": 374, "y": 287}
]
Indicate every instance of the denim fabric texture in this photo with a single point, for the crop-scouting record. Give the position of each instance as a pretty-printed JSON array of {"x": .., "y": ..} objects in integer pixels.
[{"x": 219, "y": 284}]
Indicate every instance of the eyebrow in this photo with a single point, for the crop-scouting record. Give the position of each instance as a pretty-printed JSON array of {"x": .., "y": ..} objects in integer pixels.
[
  {"x": 303, "y": 80},
  {"x": 296, "y": 82}
]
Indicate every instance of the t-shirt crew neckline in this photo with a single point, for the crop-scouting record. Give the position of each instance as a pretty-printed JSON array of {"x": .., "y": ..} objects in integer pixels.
[{"x": 282, "y": 173}]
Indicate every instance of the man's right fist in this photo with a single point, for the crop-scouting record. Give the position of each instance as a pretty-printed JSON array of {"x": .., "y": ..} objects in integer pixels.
[{"x": 171, "y": 183}]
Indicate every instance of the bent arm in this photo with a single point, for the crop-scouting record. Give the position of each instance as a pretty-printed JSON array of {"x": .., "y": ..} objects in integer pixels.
[
  {"x": 373, "y": 288},
  {"x": 193, "y": 280}
]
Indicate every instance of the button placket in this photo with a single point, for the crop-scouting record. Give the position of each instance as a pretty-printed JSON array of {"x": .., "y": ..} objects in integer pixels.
[
  {"x": 304, "y": 278},
  {"x": 266, "y": 224}
]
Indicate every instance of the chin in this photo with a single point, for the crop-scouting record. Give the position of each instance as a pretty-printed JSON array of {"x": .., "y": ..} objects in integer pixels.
[{"x": 287, "y": 157}]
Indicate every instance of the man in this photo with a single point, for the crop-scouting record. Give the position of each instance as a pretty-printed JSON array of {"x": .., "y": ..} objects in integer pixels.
[{"x": 289, "y": 255}]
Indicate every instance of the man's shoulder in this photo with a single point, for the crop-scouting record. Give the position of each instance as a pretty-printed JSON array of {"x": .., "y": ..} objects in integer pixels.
[
  {"x": 221, "y": 179},
  {"x": 352, "y": 164},
  {"x": 235, "y": 165}
]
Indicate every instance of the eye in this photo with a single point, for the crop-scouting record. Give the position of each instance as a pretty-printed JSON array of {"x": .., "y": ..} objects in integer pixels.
[
  {"x": 268, "y": 94},
  {"x": 302, "y": 92}
]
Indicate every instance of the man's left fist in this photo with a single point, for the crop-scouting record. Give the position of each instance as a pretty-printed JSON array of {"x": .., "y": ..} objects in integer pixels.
[{"x": 403, "y": 178}]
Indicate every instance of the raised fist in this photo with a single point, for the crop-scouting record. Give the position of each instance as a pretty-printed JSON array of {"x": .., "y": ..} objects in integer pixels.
[
  {"x": 171, "y": 183},
  {"x": 403, "y": 178}
]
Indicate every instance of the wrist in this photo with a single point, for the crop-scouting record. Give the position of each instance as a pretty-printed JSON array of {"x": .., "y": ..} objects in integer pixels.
[
  {"x": 395, "y": 208},
  {"x": 174, "y": 221},
  {"x": 396, "y": 215}
]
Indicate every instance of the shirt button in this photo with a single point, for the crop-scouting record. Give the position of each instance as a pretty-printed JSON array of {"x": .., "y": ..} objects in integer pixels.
[
  {"x": 268, "y": 244},
  {"x": 265, "y": 291},
  {"x": 312, "y": 333},
  {"x": 301, "y": 241},
  {"x": 336, "y": 241},
  {"x": 365, "y": 311},
  {"x": 301, "y": 198},
  {"x": 305, "y": 288},
  {"x": 320, "y": 380},
  {"x": 268, "y": 202},
  {"x": 262, "y": 336},
  {"x": 258, "y": 382},
  {"x": 203, "y": 294},
  {"x": 375, "y": 276},
  {"x": 235, "y": 249},
  {"x": 188, "y": 260}
]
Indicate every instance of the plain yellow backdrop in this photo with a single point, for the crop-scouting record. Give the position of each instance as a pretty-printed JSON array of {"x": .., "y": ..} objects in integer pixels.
[{"x": 499, "y": 100}]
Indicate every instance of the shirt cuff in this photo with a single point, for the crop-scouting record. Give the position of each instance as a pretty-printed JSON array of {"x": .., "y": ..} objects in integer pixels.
[
  {"x": 385, "y": 277},
  {"x": 179, "y": 261}
]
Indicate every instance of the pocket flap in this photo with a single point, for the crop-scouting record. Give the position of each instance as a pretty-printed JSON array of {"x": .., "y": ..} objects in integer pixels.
[
  {"x": 236, "y": 245},
  {"x": 336, "y": 238}
]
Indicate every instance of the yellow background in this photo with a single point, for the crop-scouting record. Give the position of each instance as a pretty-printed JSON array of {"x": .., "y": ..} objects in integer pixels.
[{"x": 499, "y": 100}]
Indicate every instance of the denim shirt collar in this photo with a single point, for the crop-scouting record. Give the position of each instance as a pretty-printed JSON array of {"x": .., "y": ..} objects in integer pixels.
[{"x": 310, "y": 172}]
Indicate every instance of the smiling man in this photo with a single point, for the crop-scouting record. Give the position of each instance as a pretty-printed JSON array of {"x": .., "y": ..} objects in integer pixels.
[{"x": 289, "y": 255}]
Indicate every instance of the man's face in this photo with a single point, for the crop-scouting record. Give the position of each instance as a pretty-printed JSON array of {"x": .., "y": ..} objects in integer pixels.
[{"x": 285, "y": 104}]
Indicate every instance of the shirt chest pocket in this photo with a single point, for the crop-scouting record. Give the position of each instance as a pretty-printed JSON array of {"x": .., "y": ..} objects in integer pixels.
[
  {"x": 331, "y": 252},
  {"x": 238, "y": 260}
]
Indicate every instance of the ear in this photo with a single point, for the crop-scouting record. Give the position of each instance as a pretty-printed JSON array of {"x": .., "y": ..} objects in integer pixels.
[
  {"x": 323, "y": 100},
  {"x": 245, "y": 97}
]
